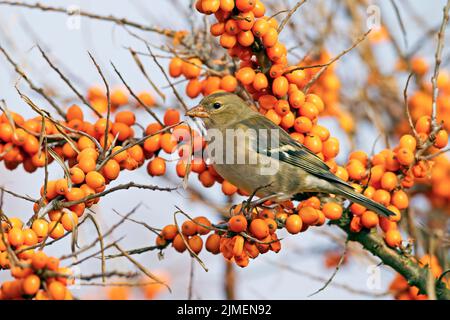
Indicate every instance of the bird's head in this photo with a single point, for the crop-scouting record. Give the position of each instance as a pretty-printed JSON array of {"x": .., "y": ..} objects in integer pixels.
[{"x": 220, "y": 109}]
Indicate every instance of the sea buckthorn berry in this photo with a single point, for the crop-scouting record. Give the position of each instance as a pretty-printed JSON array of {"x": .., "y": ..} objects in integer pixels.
[
  {"x": 156, "y": 167},
  {"x": 40, "y": 227},
  {"x": 393, "y": 238},
  {"x": 400, "y": 199},
  {"x": 259, "y": 228},
  {"x": 31, "y": 284},
  {"x": 228, "y": 83},
  {"x": 246, "y": 75},
  {"x": 270, "y": 38},
  {"x": 213, "y": 243},
  {"x": 246, "y": 20},
  {"x": 309, "y": 215},
  {"x": 95, "y": 180},
  {"x": 245, "y": 5},
  {"x": 330, "y": 148},
  {"x": 423, "y": 124},
  {"x": 191, "y": 68},
  {"x": 196, "y": 244},
  {"x": 39, "y": 260},
  {"x": 171, "y": 117},
  {"x": 189, "y": 228},
  {"x": 405, "y": 156},
  {"x": 267, "y": 101},
  {"x": 203, "y": 225},
  {"x": 389, "y": 181},
  {"x": 397, "y": 214},
  {"x": 111, "y": 170},
  {"x": 282, "y": 107},
  {"x": 313, "y": 143},
  {"x": 237, "y": 223},
  {"x": 332, "y": 210},
  {"x": 409, "y": 142},
  {"x": 74, "y": 112},
  {"x": 169, "y": 232},
  {"x": 302, "y": 124},
  {"x": 61, "y": 186},
  {"x": 260, "y": 28},
  {"x": 297, "y": 99},
  {"x": 356, "y": 170},
  {"x": 369, "y": 219},
  {"x": 309, "y": 110},
  {"x": 245, "y": 38},
  {"x": 441, "y": 139},
  {"x": 126, "y": 117},
  {"x": 217, "y": 29},
  {"x": 56, "y": 230},
  {"x": 228, "y": 188},
  {"x": 294, "y": 224},
  {"x": 382, "y": 196},
  {"x": 69, "y": 221},
  {"x": 178, "y": 243},
  {"x": 260, "y": 82},
  {"x": 280, "y": 86},
  {"x": 175, "y": 67},
  {"x": 56, "y": 290},
  {"x": 16, "y": 237}
]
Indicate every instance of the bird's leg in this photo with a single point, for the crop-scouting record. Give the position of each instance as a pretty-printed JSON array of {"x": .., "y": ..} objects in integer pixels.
[{"x": 248, "y": 205}]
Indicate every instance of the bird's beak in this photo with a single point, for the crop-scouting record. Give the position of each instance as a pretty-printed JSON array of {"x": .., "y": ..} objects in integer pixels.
[{"x": 197, "y": 112}]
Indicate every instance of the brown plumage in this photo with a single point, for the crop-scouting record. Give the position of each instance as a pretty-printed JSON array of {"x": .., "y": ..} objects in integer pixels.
[{"x": 260, "y": 154}]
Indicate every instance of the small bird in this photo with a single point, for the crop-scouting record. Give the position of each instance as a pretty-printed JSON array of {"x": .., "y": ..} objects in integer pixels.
[{"x": 275, "y": 166}]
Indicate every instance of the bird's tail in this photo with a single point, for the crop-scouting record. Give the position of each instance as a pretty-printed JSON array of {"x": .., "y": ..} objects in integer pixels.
[{"x": 358, "y": 198}]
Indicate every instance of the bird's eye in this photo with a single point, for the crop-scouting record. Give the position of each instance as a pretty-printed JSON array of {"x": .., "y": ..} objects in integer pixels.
[{"x": 217, "y": 105}]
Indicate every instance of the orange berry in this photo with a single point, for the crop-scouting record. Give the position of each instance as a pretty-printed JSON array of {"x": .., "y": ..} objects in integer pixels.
[
  {"x": 228, "y": 188},
  {"x": 111, "y": 170},
  {"x": 57, "y": 290},
  {"x": 61, "y": 186},
  {"x": 40, "y": 227},
  {"x": 55, "y": 229},
  {"x": 213, "y": 243},
  {"x": 382, "y": 196},
  {"x": 196, "y": 244},
  {"x": 332, "y": 210},
  {"x": 309, "y": 215},
  {"x": 393, "y": 238},
  {"x": 175, "y": 67},
  {"x": 69, "y": 221},
  {"x": 313, "y": 143},
  {"x": 409, "y": 142},
  {"x": 423, "y": 124},
  {"x": 441, "y": 139},
  {"x": 16, "y": 237},
  {"x": 39, "y": 260},
  {"x": 270, "y": 38},
  {"x": 405, "y": 156},
  {"x": 294, "y": 224},
  {"x": 260, "y": 82},
  {"x": 126, "y": 117},
  {"x": 237, "y": 223},
  {"x": 202, "y": 224},
  {"x": 74, "y": 112},
  {"x": 389, "y": 181},
  {"x": 259, "y": 228},
  {"x": 156, "y": 167},
  {"x": 369, "y": 219},
  {"x": 31, "y": 284},
  {"x": 178, "y": 243},
  {"x": 246, "y": 75},
  {"x": 280, "y": 86},
  {"x": 400, "y": 199},
  {"x": 171, "y": 117},
  {"x": 189, "y": 228},
  {"x": 191, "y": 68},
  {"x": 228, "y": 83}
]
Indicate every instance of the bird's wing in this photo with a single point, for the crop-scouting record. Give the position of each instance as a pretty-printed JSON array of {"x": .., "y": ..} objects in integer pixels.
[{"x": 288, "y": 150}]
